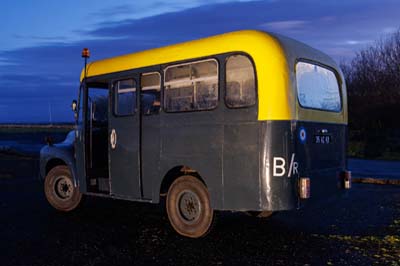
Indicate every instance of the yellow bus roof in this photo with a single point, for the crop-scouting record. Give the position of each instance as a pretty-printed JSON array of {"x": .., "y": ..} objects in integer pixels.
[
  {"x": 275, "y": 92},
  {"x": 246, "y": 40}
]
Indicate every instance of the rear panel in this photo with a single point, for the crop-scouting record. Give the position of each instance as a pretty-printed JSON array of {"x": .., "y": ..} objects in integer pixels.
[
  {"x": 321, "y": 150},
  {"x": 291, "y": 150},
  {"x": 312, "y": 143}
]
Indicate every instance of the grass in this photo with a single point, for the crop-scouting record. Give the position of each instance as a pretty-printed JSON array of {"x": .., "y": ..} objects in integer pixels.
[{"x": 357, "y": 149}]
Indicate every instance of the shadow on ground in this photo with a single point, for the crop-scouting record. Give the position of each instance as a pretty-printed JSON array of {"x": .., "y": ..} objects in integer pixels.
[{"x": 359, "y": 228}]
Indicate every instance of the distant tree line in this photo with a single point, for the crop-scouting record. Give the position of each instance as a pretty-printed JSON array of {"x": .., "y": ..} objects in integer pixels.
[{"x": 373, "y": 83}]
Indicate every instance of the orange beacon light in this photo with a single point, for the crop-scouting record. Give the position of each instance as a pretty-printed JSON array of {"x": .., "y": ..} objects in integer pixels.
[{"x": 85, "y": 53}]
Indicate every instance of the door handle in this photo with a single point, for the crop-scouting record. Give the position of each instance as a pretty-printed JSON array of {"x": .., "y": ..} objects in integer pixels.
[{"x": 113, "y": 139}]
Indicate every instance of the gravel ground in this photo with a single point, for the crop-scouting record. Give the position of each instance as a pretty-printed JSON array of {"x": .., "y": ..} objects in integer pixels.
[{"x": 360, "y": 228}]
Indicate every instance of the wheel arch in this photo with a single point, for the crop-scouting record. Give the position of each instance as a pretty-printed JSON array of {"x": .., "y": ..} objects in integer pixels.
[
  {"x": 174, "y": 173},
  {"x": 53, "y": 162},
  {"x": 56, "y": 161}
]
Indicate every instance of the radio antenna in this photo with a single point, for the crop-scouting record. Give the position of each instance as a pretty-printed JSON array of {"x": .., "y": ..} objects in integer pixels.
[{"x": 50, "y": 117}]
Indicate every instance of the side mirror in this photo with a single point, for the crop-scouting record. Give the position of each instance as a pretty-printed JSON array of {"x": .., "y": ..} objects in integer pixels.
[
  {"x": 49, "y": 140},
  {"x": 74, "y": 105}
]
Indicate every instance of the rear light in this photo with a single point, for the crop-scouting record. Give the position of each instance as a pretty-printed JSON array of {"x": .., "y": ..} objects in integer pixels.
[
  {"x": 345, "y": 179},
  {"x": 305, "y": 187}
]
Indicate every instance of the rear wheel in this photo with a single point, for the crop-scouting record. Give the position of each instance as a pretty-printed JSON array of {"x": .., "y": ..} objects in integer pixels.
[
  {"x": 188, "y": 207},
  {"x": 60, "y": 190}
]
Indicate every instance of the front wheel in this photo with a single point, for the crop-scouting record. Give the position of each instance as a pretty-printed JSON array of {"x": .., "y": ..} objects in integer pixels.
[
  {"x": 188, "y": 207},
  {"x": 60, "y": 190}
]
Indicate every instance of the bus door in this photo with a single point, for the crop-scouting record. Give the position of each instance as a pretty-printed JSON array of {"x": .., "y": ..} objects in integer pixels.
[
  {"x": 124, "y": 139},
  {"x": 150, "y": 138}
]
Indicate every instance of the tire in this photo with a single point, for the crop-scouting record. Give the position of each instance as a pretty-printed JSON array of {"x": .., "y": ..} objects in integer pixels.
[
  {"x": 188, "y": 207},
  {"x": 60, "y": 190}
]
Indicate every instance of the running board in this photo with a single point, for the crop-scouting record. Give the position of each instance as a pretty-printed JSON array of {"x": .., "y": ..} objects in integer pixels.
[{"x": 117, "y": 197}]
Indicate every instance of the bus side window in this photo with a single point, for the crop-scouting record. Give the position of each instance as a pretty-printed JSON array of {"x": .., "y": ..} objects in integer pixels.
[
  {"x": 191, "y": 86},
  {"x": 125, "y": 97},
  {"x": 150, "y": 94},
  {"x": 240, "y": 82}
]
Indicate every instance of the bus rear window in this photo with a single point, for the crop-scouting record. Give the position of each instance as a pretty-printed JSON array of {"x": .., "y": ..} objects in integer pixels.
[{"x": 317, "y": 87}]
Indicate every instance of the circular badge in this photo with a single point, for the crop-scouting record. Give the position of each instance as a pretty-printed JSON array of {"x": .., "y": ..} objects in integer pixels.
[{"x": 302, "y": 135}]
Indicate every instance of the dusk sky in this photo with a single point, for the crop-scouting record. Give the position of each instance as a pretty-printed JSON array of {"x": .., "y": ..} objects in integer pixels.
[{"x": 41, "y": 40}]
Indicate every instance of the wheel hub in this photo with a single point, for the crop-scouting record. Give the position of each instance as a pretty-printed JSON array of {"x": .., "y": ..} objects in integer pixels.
[
  {"x": 189, "y": 206},
  {"x": 63, "y": 187}
]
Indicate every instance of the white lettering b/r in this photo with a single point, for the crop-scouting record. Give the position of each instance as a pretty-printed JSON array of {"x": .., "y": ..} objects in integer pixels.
[{"x": 279, "y": 166}]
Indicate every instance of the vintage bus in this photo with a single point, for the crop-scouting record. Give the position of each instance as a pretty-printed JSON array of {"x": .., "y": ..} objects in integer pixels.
[{"x": 243, "y": 121}]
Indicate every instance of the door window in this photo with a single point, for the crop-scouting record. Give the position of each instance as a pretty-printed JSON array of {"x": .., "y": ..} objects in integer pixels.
[
  {"x": 125, "y": 97},
  {"x": 98, "y": 103},
  {"x": 150, "y": 93}
]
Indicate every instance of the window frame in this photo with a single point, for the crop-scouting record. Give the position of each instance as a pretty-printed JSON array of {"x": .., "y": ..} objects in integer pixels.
[
  {"x": 189, "y": 62},
  {"x": 338, "y": 80},
  {"x": 255, "y": 79},
  {"x": 116, "y": 94}
]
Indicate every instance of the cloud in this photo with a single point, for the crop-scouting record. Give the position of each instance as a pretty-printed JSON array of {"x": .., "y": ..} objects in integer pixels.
[
  {"x": 388, "y": 30},
  {"x": 328, "y": 19},
  {"x": 6, "y": 62},
  {"x": 343, "y": 53},
  {"x": 356, "y": 42},
  {"x": 285, "y": 25},
  {"x": 39, "y": 38},
  {"x": 111, "y": 12},
  {"x": 144, "y": 9},
  {"x": 49, "y": 73}
]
